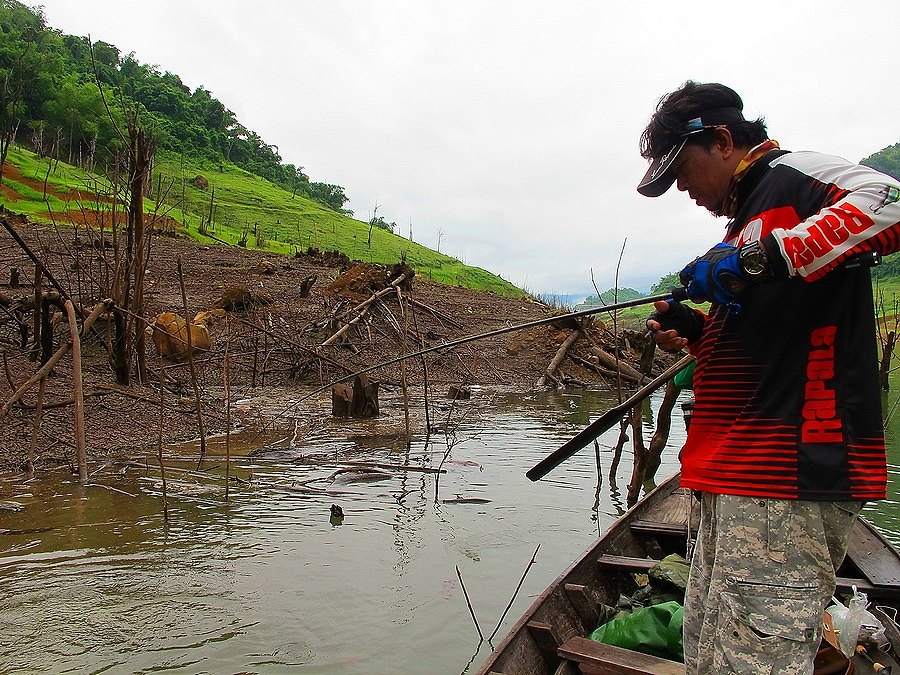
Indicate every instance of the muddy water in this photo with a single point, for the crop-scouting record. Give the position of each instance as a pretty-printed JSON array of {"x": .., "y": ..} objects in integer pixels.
[{"x": 94, "y": 579}]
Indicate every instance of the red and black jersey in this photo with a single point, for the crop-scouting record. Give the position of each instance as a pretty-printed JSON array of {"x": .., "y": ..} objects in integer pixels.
[{"x": 788, "y": 401}]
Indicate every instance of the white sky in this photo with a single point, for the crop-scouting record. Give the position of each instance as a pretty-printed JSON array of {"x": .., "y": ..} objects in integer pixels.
[{"x": 509, "y": 129}]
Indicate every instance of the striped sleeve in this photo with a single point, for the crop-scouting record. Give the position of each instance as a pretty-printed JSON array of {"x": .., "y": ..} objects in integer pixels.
[{"x": 863, "y": 215}]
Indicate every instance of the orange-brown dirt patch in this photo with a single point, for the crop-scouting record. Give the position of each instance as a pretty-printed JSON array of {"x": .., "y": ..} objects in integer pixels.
[{"x": 15, "y": 174}]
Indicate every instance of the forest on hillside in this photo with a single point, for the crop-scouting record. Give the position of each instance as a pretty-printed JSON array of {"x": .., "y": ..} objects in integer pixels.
[
  {"x": 886, "y": 160},
  {"x": 67, "y": 97}
]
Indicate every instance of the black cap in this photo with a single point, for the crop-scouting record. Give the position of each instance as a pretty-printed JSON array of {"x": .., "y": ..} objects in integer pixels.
[{"x": 659, "y": 177}]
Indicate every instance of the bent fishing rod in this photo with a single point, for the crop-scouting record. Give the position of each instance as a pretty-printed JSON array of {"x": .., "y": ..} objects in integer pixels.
[{"x": 676, "y": 294}]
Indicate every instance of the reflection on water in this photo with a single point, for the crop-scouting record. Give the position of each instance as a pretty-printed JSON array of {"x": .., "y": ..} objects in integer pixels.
[
  {"x": 94, "y": 579},
  {"x": 886, "y": 513}
]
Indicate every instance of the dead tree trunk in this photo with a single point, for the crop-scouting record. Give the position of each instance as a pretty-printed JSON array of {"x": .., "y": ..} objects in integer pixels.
[
  {"x": 886, "y": 354},
  {"x": 359, "y": 400},
  {"x": 46, "y": 330},
  {"x": 38, "y": 304},
  {"x": 129, "y": 286},
  {"x": 609, "y": 361},
  {"x": 640, "y": 455},
  {"x": 661, "y": 435},
  {"x": 80, "y": 449}
]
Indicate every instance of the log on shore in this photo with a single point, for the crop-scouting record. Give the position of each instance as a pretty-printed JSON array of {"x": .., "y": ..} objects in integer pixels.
[
  {"x": 558, "y": 358},
  {"x": 610, "y": 361}
]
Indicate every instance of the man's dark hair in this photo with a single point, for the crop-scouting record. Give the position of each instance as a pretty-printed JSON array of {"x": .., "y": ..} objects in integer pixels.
[{"x": 688, "y": 102}]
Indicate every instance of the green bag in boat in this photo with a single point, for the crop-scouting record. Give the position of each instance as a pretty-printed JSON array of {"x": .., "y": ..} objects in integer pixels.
[
  {"x": 654, "y": 630},
  {"x": 684, "y": 378}
]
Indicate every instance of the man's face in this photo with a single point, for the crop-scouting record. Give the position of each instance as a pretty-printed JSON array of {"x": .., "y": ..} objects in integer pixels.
[{"x": 705, "y": 174}]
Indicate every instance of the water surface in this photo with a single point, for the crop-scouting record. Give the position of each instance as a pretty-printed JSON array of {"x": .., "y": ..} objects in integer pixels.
[{"x": 269, "y": 581}]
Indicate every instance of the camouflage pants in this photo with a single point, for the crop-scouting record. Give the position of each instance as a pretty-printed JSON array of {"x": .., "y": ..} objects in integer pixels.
[{"x": 762, "y": 573}]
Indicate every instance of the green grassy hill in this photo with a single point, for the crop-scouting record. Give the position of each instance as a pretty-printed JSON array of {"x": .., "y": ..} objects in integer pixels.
[{"x": 247, "y": 210}]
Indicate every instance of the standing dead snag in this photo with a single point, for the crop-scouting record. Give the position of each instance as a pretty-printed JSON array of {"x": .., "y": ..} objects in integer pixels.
[
  {"x": 127, "y": 285},
  {"x": 193, "y": 369},
  {"x": 80, "y": 449},
  {"x": 661, "y": 435},
  {"x": 887, "y": 336},
  {"x": 640, "y": 455},
  {"x": 886, "y": 353},
  {"x": 359, "y": 400},
  {"x": 647, "y": 459}
]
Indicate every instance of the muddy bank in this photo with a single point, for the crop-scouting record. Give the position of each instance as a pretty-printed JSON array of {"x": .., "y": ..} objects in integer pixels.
[{"x": 278, "y": 327}]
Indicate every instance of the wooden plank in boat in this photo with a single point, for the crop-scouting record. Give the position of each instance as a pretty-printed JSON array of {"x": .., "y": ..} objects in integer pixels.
[
  {"x": 874, "y": 557},
  {"x": 654, "y": 527},
  {"x": 596, "y": 657},
  {"x": 545, "y": 636},
  {"x": 584, "y": 602},
  {"x": 845, "y": 586},
  {"x": 626, "y": 563}
]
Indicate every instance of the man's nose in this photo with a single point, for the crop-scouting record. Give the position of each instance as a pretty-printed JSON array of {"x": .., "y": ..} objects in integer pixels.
[{"x": 680, "y": 184}]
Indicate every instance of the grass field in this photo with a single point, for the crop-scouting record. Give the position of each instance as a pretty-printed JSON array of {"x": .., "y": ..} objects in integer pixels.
[{"x": 246, "y": 211}]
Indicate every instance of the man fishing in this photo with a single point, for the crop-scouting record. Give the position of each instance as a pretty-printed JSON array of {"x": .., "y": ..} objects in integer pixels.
[{"x": 786, "y": 442}]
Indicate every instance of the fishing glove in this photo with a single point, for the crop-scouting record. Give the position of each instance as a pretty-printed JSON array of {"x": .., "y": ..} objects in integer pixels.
[
  {"x": 686, "y": 321},
  {"x": 716, "y": 277}
]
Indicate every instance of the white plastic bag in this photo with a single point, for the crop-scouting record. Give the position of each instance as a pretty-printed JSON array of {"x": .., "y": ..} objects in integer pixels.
[{"x": 852, "y": 623}]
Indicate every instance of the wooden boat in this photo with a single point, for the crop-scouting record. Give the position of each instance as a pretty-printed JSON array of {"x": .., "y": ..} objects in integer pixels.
[{"x": 551, "y": 636}]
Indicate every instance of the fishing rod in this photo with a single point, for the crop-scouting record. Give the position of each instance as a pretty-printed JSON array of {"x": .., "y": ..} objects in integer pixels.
[
  {"x": 604, "y": 422},
  {"x": 677, "y": 294}
]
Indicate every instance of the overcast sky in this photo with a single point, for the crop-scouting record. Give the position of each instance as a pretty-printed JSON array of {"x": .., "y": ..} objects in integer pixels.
[{"x": 507, "y": 132}]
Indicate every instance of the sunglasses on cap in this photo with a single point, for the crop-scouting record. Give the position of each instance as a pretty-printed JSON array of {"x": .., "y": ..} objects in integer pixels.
[{"x": 659, "y": 176}]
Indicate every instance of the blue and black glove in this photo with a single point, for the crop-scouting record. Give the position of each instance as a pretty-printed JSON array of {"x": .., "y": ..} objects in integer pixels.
[{"x": 716, "y": 277}]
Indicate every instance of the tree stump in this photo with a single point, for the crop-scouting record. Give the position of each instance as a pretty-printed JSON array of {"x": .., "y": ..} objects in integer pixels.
[
  {"x": 342, "y": 400},
  {"x": 365, "y": 397},
  {"x": 359, "y": 400},
  {"x": 306, "y": 285}
]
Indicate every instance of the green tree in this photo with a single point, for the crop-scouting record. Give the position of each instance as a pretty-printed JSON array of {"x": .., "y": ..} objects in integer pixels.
[
  {"x": 886, "y": 160},
  {"x": 381, "y": 224},
  {"x": 331, "y": 196},
  {"x": 612, "y": 295},
  {"x": 664, "y": 284}
]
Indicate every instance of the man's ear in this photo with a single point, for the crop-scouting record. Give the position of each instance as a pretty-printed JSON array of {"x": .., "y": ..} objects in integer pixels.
[{"x": 723, "y": 143}]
